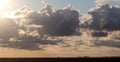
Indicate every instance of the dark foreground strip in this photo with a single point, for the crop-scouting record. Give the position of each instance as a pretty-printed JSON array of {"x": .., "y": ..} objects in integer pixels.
[{"x": 102, "y": 59}]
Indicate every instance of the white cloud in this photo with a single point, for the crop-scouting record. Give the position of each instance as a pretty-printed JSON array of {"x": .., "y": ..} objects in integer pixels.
[
  {"x": 102, "y": 2},
  {"x": 43, "y": 2}
]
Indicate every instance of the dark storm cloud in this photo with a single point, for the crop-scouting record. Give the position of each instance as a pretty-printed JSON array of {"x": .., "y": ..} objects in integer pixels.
[
  {"x": 53, "y": 21},
  {"x": 109, "y": 43},
  {"x": 105, "y": 17},
  {"x": 8, "y": 28}
]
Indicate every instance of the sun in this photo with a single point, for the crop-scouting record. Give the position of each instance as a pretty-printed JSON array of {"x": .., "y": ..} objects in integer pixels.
[{"x": 3, "y": 3}]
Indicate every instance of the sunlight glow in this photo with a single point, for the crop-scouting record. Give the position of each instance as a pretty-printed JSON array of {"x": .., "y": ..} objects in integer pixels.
[{"x": 3, "y": 3}]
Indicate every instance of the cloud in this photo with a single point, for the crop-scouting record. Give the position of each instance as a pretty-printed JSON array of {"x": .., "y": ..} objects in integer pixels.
[
  {"x": 109, "y": 43},
  {"x": 102, "y": 2},
  {"x": 55, "y": 21},
  {"x": 28, "y": 29},
  {"x": 106, "y": 17},
  {"x": 43, "y": 2},
  {"x": 8, "y": 28}
]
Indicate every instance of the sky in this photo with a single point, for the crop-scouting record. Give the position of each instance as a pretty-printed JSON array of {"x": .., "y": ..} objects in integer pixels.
[
  {"x": 82, "y": 5},
  {"x": 33, "y": 28}
]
